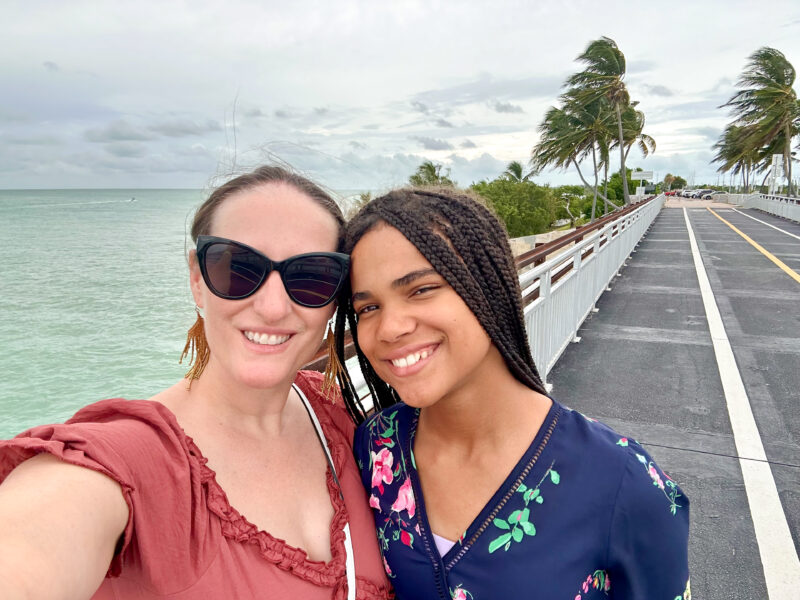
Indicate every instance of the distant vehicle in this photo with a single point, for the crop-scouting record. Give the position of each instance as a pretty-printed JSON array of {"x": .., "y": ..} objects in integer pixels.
[
  {"x": 700, "y": 193},
  {"x": 710, "y": 195},
  {"x": 672, "y": 192}
]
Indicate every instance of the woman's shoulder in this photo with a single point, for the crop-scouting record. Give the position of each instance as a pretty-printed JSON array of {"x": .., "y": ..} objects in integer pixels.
[{"x": 114, "y": 435}]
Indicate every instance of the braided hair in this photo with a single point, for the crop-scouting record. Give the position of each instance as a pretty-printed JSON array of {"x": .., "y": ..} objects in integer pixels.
[{"x": 468, "y": 246}]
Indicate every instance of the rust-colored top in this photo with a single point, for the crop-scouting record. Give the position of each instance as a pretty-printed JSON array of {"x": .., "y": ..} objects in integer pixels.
[{"x": 183, "y": 539}]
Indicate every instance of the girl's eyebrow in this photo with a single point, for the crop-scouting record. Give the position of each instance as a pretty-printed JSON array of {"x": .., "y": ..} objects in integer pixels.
[
  {"x": 413, "y": 276},
  {"x": 397, "y": 283}
]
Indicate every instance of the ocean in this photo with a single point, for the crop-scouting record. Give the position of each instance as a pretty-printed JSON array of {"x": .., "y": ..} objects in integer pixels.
[{"x": 94, "y": 298}]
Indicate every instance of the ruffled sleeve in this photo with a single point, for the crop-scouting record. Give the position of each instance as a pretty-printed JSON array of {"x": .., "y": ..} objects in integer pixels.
[
  {"x": 139, "y": 445},
  {"x": 648, "y": 546}
]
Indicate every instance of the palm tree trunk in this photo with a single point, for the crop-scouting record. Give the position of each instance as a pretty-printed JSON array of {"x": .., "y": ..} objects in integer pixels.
[
  {"x": 787, "y": 159},
  {"x": 623, "y": 173},
  {"x": 583, "y": 179},
  {"x": 605, "y": 187},
  {"x": 594, "y": 200}
]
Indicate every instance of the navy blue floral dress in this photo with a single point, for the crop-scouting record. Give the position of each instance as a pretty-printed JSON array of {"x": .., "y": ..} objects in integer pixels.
[{"x": 585, "y": 514}]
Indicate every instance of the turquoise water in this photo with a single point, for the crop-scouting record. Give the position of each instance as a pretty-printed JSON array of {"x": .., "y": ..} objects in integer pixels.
[{"x": 94, "y": 298}]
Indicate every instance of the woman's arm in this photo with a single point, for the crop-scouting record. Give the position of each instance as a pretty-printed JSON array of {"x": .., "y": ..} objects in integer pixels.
[{"x": 59, "y": 526}]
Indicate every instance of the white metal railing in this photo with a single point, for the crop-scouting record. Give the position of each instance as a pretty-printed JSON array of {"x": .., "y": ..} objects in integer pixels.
[
  {"x": 568, "y": 287},
  {"x": 788, "y": 208},
  {"x": 570, "y": 284}
]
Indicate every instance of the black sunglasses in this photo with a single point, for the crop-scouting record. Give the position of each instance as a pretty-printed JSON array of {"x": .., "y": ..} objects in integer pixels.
[{"x": 235, "y": 271}]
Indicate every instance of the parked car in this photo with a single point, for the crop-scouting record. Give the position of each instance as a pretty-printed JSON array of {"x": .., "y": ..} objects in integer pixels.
[
  {"x": 700, "y": 193},
  {"x": 710, "y": 195}
]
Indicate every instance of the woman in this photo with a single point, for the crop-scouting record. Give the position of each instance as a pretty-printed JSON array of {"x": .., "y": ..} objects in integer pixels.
[
  {"x": 220, "y": 486},
  {"x": 482, "y": 486}
]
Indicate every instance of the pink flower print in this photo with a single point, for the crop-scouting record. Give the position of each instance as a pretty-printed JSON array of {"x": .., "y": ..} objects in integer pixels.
[
  {"x": 374, "y": 502},
  {"x": 578, "y": 597},
  {"x": 656, "y": 477},
  {"x": 386, "y": 567},
  {"x": 459, "y": 594},
  {"x": 416, "y": 528},
  {"x": 382, "y": 468},
  {"x": 607, "y": 584},
  {"x": 405, "y": 498}
]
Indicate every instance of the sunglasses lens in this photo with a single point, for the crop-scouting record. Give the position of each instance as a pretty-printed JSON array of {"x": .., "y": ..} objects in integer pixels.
[
  {"x": 233, "y": 272},
  {"x": 313, "y": 280}
]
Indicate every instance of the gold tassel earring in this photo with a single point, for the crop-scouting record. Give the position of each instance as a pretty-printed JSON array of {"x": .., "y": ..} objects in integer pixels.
[
  {"x": 197, "y": 349},
  {"x": 332, "y": 368}
]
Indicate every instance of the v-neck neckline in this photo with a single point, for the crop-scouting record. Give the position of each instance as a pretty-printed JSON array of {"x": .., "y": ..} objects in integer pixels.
[{"x": 518, "y": 473}]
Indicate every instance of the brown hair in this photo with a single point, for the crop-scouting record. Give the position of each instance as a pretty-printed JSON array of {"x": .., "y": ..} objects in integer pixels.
[
  {"x": 201, "y": 225},
  {"x": 468, "y": 246}
]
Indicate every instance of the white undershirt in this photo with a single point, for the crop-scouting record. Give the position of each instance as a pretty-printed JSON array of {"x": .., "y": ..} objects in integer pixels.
[{"x": 443, "y": 545}]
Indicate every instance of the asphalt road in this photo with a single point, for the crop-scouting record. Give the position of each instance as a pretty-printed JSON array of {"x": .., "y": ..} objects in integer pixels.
[{"x": 646, "y": 366}]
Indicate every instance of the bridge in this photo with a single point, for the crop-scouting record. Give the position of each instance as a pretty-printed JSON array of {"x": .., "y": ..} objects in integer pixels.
[{"x": 679, "y": 325}]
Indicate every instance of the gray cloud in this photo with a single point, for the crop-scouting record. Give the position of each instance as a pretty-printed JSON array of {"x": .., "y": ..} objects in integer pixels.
[
  {"x": 710, "y": 133},
  {"x": 443, "y": 123},
  {"x": 419, "y": 107},
  {"x": 506, "y": 107},
  {"x": 51, "y": 66},
  {"x": 253, "y": 113},
  {"x": 184, "y": 127},
  {"x": 468, "y": 144},
  {"x": 358, "y": 145},
  {"x": 117, "y": 131},
  {"x": 126, "y": 149},
  {"x": 657, "y": 90},
  {"x": 432, "y": 143},
  {"x": 283, "y": 114},
  {"x": 488, "y": 89},
  {"x": 34, "y": 140},
  {"x": 321, "y": 111}
]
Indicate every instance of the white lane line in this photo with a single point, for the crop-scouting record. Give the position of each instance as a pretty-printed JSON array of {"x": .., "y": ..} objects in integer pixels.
[
  {"x": 767, "y": 224},
  {"x": 778, "y": 555}
]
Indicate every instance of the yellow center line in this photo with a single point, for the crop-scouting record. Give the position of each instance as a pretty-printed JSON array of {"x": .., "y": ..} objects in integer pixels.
[{"x": 781, "y": 265}]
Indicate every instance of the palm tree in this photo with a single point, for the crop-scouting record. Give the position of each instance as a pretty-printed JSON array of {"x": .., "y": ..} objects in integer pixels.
[
  {"x": 767, "y": 104},
  {"x": 428, "y": 174},
  {"x": 734, "y": 154},
  {"x": 603, "y": 77},
  {"x": 515, "y": 172},
  {"x": 570, "y": 134}
]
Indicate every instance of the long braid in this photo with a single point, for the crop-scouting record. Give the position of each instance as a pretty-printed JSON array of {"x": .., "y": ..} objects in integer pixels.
[{"x": 468, "y": 246}]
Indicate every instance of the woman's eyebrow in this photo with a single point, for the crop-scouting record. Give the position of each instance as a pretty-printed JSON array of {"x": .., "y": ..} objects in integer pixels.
[{"x": 413, "y": 276}]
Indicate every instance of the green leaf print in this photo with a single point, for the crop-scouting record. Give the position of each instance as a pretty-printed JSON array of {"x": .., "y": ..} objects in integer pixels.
[
  {"x": 518, "y": 521},
  {"x": 498, "y": 542},
  {"x": 528, "y": 528}
]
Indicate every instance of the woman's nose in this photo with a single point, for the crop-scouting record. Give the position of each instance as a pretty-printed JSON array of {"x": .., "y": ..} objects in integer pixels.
[
  {"x": 394, "y": 323},
  {"x": 271, "y": 300}
]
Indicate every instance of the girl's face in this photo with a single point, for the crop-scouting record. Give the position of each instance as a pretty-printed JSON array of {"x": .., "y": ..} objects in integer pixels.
[
  {"x": 415, "y": 330},
  {"x": 262, "y": 340}
]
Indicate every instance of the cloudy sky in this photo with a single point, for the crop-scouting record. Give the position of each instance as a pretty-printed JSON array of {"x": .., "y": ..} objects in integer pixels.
[{"x": 355, "y": 93}]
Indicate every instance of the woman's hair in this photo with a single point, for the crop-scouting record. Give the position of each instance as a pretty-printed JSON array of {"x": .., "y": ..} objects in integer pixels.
[
  {"x": 468, "y": 246},
  {"x": 265, "y": 175}
]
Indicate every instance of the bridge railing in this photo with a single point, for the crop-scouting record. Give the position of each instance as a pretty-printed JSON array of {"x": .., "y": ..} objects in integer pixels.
[
  {"x": 564, "y": 290},
  {"x": 781, "y": 206},
  {"x": 561, "y": 281}
]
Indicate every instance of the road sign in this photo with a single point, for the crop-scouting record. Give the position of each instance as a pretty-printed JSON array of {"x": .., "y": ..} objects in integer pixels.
[{"x": 648, "y": 175}]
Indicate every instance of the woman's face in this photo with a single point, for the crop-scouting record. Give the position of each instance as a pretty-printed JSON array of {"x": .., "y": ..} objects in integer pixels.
[
  {"x": 415, "y": 330},
  {"x": 261, "y": 341}
]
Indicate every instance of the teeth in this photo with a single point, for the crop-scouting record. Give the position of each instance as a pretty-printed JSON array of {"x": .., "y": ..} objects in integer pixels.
[
  {"x": 265, "y": 338},
  {"x": 411, "y": 359}
]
